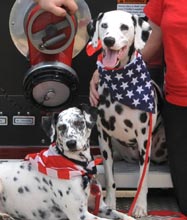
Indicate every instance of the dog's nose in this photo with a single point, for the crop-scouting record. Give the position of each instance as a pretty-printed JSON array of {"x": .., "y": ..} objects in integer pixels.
[
  {"x": 71, "y": 144},
  {"x": 109, "y": 41}
]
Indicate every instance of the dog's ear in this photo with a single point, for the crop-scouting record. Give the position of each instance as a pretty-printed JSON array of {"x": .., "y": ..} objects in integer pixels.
[
  {"x": 90, "y": 114},
  {"x": 93, "y": 29},
  {"x": 142, "y": 31},
  {"x": 49, "y": 124}
]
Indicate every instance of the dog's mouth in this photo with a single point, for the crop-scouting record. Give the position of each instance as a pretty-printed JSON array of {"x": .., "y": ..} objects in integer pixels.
[{"x": 111, "y": 58}]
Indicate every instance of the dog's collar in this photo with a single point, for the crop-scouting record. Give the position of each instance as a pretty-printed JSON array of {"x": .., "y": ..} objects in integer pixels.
[
  {"x": 55, "y": 165},
  {"x": 130, "y": 85}
]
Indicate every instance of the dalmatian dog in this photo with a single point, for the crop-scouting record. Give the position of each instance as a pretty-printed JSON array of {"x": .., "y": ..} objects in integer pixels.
[
  {"x": 55, "y": 183},
  {"x": 128, "y": 112}
]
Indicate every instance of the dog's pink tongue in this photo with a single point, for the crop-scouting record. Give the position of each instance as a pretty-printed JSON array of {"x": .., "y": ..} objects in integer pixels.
[{"x": 110, "y": 58}]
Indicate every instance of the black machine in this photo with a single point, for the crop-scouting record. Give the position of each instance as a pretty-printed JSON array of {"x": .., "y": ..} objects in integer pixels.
[{"x": 21, "y": 109}]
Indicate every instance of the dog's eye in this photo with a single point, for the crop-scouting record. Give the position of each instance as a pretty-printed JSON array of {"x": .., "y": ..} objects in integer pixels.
[
  {"x": 104, "y": 25},
  {"x": 78, "y": 123},
  {"x": 62, "y": 128},
  {"x": 124, "y": 27}
]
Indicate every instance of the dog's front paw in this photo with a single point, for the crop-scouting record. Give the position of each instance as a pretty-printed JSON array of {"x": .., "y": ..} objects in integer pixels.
[
  {"x": 139, "y": 211},
  {"x": 4, "y": 216},
  {"x": 110, "y": 200}
]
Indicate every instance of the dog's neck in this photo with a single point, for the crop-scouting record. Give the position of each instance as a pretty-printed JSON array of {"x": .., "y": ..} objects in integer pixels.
[{"x": 80, "y": 158}]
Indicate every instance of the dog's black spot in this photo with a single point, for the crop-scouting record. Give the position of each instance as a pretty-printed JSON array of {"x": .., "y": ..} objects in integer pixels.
[
  {"x": 143, "y": 130},
  {"x": 60, "y": 193},
  {"x": 56, "y": 209},
  {"x": 128, "y": 123},
  {"x": 54, "y": 203},
  {"x": 118, "y": 109},
  {"x": 136, "y": 133},
  {"x": 105, "y": 135},
  {"x": 42, "y": 213},
  {"x": 44, "y": 201},
  {"x": 22, "y": 167},
  {"x": 126, "y": 130},
  {"x": 15, "y": 178},
  {"x": 26, "y": 189},
  {"x": 85, "y": 181},
  {"x": 4, "y": 199},
  {"x": 20, "y": 190},
  {"x": 105, "y": 155},
  {"x": 54, "y": 194},
  {"x": 112, "y": 121},
  {"x": 80, "y": 209},
  {"x": 29, "y": 167},
  {"x": 45, "y": 181},
  {"x": 37, "y": 179},
  {"x": 132, "y": 142},
  {"x": 143, "y": 117},
  {"x": 18, "y": 172},
  {"x": 101, "y": 113},
  {"x": 82, "y": 217},
  {"x": 104, "y": 101},
  {"x": 44, "y": 189},
  {"x": 34, "y": 214},
  {"x": 68, "y": 191},
  {"x": 140, "y": 22},
  {"x": 145, "y": 35},
  {"x": 108, "y": 212},
  {"x": 50, "y": 183},
  {"x": 141, "y": 157},
  {"x": 113, "y": 185}
]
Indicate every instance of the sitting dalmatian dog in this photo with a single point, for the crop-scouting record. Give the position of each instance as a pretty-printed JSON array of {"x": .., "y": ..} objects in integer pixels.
[
  {"x": 55, "y": 183},
  {"x": 128, "y": 113}
]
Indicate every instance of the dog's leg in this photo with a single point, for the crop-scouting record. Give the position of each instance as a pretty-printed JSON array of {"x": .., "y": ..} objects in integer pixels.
[
  {"x": 106, "y": 152},
  {"x": 140, "y": 208}
]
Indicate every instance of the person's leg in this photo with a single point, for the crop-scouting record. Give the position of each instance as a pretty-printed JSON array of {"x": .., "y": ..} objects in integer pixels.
[{"x": 175, "y": 119}]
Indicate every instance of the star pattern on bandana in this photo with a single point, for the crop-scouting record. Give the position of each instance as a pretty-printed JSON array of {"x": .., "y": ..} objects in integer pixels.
[{"x": 131, "y": 85}]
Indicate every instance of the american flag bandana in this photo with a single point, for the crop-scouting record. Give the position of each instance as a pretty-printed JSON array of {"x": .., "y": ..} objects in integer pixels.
[
  {"x": 131, "y": 85},
  {"x": 54, "y": 165}
]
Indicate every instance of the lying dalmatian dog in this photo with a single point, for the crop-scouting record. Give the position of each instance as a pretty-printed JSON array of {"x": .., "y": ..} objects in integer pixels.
[
  {"x": 127, "y": 99},
  {"x": 54, "y": 184}
]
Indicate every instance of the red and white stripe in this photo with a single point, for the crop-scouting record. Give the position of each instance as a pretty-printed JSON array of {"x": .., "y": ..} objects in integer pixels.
[{"x": 54, "y": 165}]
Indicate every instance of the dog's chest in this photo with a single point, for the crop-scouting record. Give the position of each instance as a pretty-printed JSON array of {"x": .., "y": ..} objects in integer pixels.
[{"x": 118, "y": 120}]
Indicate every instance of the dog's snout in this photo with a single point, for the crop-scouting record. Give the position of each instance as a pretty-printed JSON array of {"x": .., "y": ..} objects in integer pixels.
[
  {"x": 71, "y": 144},
  {"x": 109, "y": 41}
]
